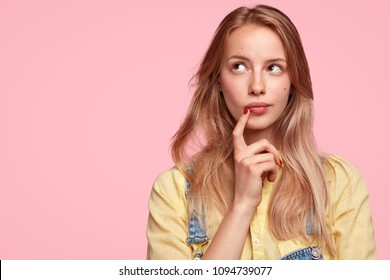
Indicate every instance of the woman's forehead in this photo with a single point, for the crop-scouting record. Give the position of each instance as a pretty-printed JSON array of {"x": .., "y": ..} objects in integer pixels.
[{"x": 254, "y": 41}]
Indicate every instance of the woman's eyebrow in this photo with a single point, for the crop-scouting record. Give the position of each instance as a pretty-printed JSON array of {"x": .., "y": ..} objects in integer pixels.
[
  {"x": 238, "y": 57},
  {"x": 276, "y": 60},
  {"x": 271, "y": 60}
]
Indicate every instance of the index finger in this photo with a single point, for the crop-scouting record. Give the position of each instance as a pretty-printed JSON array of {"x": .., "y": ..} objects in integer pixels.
[{"x": 238, "y": 132}]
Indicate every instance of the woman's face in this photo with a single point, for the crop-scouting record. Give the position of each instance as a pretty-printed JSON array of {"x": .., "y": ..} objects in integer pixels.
[{"x": 254, "y": 75}]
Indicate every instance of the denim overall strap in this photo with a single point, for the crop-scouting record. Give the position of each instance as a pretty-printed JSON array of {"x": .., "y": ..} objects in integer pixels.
[
  {"x": 308, "y": 253},
  {"x": 197, "y": 234},
  {"x": 309, "y": 223}
]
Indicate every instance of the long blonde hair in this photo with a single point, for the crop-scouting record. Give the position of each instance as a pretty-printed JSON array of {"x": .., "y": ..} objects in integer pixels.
[{"x": 302, "y": 188}]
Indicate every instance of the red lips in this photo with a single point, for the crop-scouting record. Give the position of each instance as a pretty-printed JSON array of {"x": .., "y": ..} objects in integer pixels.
[{"x": 258, "y": 108}]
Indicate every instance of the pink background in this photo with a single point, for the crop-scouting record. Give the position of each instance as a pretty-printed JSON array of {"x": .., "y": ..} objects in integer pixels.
[{"x": 92, "y": 91}]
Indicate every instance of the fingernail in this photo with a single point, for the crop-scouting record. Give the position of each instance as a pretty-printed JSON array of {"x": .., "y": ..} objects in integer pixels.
[
  {"x": 246, "y": 111},
  {"x": 280, "y": 161}
]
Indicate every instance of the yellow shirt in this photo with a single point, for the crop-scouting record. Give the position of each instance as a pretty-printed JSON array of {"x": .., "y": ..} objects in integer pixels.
[{"x": 351, "y": 222}]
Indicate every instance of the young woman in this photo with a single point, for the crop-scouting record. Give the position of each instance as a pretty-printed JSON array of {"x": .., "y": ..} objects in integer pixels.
[{"x": 257, "y": 187}]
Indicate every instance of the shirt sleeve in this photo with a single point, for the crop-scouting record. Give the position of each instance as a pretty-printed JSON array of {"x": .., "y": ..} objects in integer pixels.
[
  {"x": 352, "y": 222},
  {"x": 167, "y": 221}
]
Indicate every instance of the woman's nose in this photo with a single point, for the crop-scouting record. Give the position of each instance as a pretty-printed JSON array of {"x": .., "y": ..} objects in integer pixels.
[{"x": 257, "y": 85}]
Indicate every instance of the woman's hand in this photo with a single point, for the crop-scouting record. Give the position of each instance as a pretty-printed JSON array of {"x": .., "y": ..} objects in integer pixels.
[{"x": 252, "y": 164}]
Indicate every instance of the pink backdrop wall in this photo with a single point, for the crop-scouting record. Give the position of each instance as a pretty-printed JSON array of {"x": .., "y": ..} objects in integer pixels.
[{"x": 92, "y": 91}]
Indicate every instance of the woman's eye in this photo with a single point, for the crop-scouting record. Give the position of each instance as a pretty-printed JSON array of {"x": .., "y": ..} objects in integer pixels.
[
  {"x": 276, "y": 69},
  {"x": 239, "y": 67}
]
